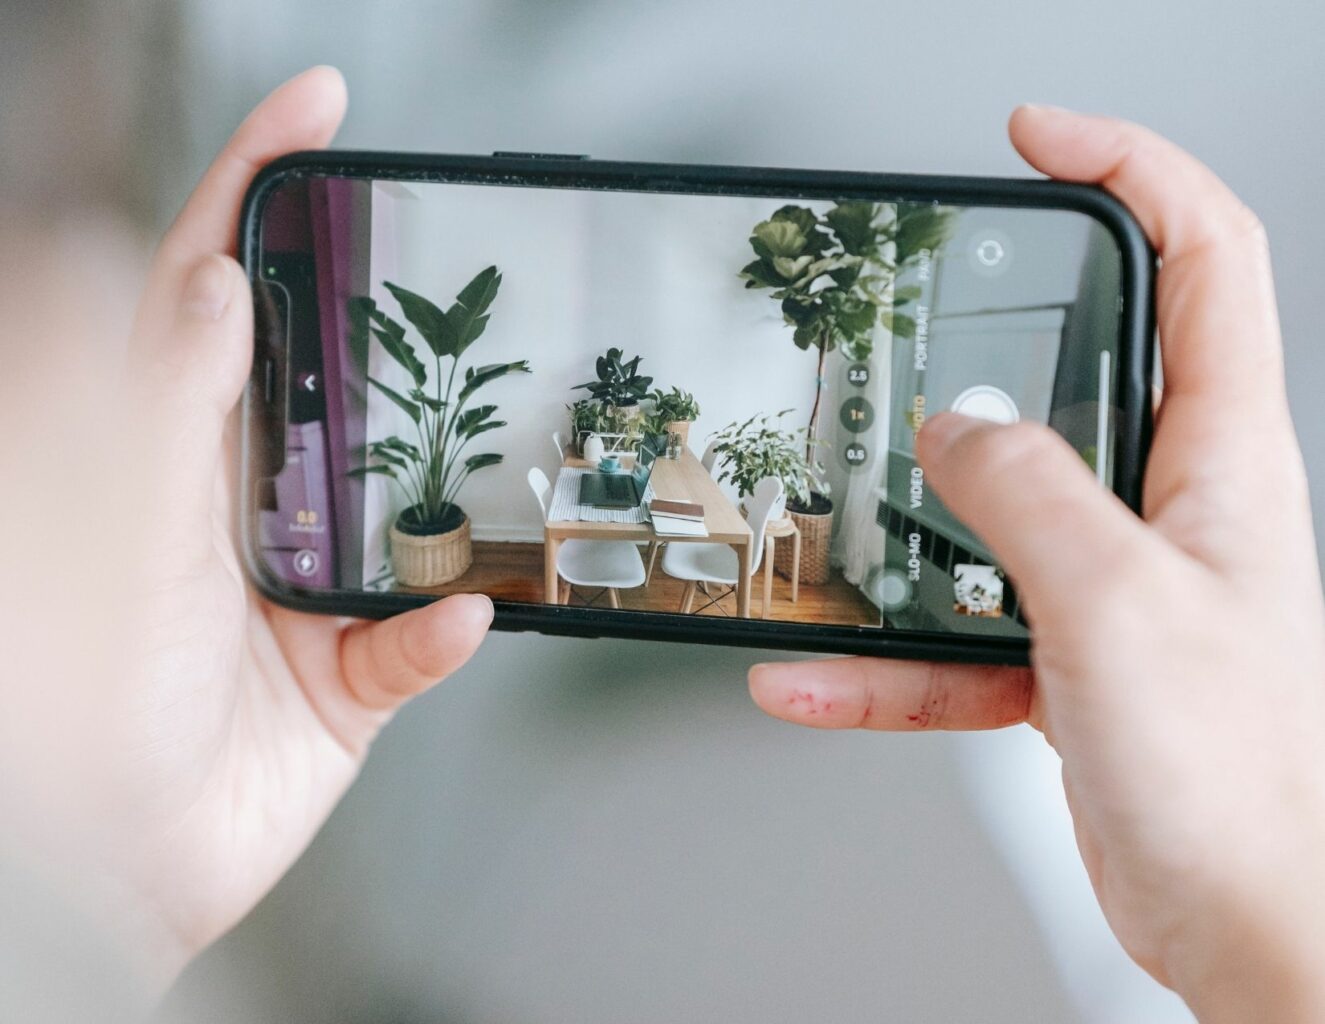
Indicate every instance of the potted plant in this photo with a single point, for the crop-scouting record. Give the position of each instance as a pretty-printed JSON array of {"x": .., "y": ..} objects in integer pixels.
[
  {"x": 673, "y": 412},
  {"x": 618, "y": 389},
  {"x": 833, "y": 276},
  {"x": 430, "y": 538},
  {"x": 747, "y": 452},
  {"x": 586, "y": 417}
]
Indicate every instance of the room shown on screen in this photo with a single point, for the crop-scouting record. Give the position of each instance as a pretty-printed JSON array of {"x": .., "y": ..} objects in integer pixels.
[{"x": 668, "y": 403}]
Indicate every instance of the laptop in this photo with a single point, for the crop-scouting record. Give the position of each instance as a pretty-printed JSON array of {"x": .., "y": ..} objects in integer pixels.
[{"x": 619, "y": 490}]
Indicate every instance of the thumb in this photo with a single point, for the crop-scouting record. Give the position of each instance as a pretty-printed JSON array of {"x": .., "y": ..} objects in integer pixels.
[
  {"x": 386, "y": 663},
  {"x": 190, "y": 357},
  {"x": 1034, "y": 501},
  {"x": 192, "y": 349}
]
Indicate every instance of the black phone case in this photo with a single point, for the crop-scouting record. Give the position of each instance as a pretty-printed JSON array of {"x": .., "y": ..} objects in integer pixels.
[{"x": 1136, "y": 359}]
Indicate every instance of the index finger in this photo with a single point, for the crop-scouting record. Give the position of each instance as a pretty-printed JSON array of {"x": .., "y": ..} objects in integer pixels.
[
  {"x": 894, "y": 696},
  {"x": 304, "y": 113}
]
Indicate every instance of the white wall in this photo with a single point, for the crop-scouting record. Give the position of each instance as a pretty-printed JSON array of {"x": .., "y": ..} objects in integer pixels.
[{"x": 655, "y": 275}]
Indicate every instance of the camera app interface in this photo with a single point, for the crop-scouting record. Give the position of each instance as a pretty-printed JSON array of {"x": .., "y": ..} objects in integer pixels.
[{"x": 662, "y": 403}]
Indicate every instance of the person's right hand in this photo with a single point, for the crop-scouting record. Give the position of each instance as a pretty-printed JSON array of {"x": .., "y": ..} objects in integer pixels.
[{"x": 1178, "y": 662}]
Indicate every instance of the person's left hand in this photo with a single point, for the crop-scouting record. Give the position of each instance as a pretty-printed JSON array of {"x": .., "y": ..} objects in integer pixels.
[{"x": 249, "y": 721}]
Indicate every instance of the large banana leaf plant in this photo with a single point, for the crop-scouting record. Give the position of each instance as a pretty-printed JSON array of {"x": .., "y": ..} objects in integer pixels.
[
  {"x": 432, "y": 466},
  {"x": 833, "y": 275}
]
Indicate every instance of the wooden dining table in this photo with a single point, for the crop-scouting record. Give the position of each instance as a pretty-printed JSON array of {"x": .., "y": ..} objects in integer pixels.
[{"x": 682, "y": 479}]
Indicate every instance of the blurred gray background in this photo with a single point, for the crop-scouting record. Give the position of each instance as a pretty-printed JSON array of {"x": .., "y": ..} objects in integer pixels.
[{"x": 595, "y": 831}]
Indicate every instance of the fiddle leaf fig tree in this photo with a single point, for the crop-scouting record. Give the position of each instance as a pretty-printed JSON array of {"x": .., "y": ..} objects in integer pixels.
[
  {"x": 833, "y": 273},
  {"x": 432, "y": 466}
]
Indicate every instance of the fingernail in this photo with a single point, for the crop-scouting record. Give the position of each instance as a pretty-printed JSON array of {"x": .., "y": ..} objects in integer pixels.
[
  {"x": 944, "y": 430},
  {"x": 210, "y": 287},
  {"x": 770, "y": 671},
  {"x": 1045, "y": 108}
]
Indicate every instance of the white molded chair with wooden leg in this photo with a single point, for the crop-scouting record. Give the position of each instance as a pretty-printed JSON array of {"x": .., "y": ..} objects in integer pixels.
[
  {"x": 560, "y": 442},
  {"x": 709, "y": 460},
  {"x": 609, "y": 565},
  {"x": 702, "y": 564}
]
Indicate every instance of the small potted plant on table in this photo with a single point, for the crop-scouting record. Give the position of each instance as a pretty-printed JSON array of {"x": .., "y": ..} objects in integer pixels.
[
  {"x": 586, "y": 417},
  {"x": 673, "y": 412},
  {"x": 430, "y": 539}
]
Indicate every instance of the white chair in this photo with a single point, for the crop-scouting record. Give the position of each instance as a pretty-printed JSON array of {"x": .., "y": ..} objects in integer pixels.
[
  {"x": 702, "y": 564},
  {"x": 560, "y": 442},
  {"x": 610, "y": 565},
  {"x": 709, "y": 460}
]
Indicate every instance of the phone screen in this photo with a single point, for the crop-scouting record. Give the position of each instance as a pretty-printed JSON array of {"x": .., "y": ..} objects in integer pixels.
[{"x": 664, "y": 402}]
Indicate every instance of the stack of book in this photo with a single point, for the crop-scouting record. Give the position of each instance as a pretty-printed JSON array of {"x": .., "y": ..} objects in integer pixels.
[{"x": 677, "y": 518}]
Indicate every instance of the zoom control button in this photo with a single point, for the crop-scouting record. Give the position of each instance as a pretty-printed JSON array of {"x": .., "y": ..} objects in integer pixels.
[{"x": 856, "y": 415}]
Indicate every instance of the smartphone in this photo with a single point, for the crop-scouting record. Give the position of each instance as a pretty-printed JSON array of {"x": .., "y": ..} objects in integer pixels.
[{"x": 669, "y": 402}]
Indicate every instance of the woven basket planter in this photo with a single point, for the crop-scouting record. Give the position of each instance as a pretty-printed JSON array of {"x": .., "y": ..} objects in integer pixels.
[
  {"x": 681, "y": 427},
  {"x": 816, "y": 537},
  {"x": 430, "y": 560}
]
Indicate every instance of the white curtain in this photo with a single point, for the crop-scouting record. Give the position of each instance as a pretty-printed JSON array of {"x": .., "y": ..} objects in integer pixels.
[{"x": 382, "y": 499}]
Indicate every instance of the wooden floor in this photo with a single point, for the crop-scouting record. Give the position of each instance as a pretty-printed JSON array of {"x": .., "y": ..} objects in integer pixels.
[{"x": 514, "y": 572}]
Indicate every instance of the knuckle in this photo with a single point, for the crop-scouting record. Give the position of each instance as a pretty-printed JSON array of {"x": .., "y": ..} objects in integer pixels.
[
  {"x": 1246, "y": 227},
  {"x": 1233, "y": 226},
  {"x": 932, "y": 712},
  {"x": 864, "y": 676},
  {"x": 412, "y": 655},
  {"x": 1020, "y": 472},
  {"x": 1016, "y": 449},
  {"x": 208, "y": 367},
  {"x": 172, "y": 251}
]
